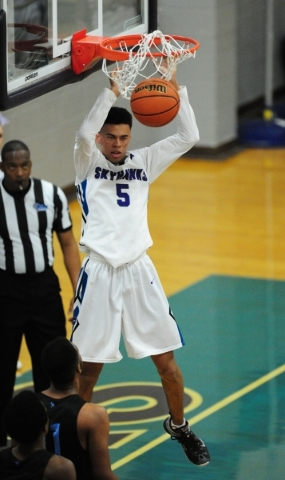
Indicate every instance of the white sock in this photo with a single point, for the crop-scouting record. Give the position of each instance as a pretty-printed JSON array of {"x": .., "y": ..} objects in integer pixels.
[{"x": 178, "y": 426}]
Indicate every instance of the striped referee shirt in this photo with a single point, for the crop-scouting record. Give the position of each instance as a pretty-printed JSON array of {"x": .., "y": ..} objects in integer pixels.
[{"x": 27, "y": 222}]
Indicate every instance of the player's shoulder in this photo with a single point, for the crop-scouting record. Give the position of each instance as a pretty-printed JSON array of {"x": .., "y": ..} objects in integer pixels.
[
  {"x": 92, "y": 415},
  {"x": 59, "y": 468},
  {"x": 138, "y": 156}
]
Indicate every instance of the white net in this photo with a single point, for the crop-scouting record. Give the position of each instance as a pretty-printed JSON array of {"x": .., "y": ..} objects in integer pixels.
[{"x": 145, "y": 60}]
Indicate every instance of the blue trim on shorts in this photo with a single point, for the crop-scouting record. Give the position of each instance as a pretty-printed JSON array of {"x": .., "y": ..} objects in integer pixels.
[
  {"x": 181, "y": 337},
  {"x": 180, "y": 334},
  {"x": 81, "y": 284},
  {"x": 79, "y": 294}
]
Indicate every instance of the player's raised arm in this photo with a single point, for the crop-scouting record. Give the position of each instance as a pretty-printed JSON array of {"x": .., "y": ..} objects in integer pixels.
[
  {"x": 85, "y": 151},
  {"x": 113, "y": 84}
]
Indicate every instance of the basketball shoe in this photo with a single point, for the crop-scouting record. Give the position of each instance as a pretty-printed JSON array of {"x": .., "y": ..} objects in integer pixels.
[{"x": 194, "y": 448}]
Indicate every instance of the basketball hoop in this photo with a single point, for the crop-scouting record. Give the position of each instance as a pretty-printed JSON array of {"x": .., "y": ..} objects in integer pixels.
[
  {"x": 29, "y": 45},
  {"x": 146, "y": 50},
  {"x": 134, "y": 55}
]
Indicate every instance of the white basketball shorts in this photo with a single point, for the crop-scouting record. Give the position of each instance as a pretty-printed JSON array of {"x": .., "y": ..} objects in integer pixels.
[{"x": 128, "y": 301}]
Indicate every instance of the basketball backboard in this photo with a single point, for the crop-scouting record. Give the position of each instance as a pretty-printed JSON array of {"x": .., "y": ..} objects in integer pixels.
[{"x": 35, "y": 40}]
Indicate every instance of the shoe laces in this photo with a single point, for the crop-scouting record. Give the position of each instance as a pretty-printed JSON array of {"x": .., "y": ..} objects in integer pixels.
[{"x": 191, "y": 440}]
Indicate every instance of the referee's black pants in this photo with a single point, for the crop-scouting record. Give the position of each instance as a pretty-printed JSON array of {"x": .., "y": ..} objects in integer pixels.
[{"x": 30, "y": 305}]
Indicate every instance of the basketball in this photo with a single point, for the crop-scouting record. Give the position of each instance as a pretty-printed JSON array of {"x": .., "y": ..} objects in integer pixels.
[{"x": 155, "y": 102}]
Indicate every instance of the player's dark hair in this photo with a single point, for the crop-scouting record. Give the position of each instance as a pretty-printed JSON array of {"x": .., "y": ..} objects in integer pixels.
[
  {"x": 118, "y": 115},
  {"x": 25, "y": 417},
  {"x": 59, "y": 361},
  {"x": 13, "y": 146}
]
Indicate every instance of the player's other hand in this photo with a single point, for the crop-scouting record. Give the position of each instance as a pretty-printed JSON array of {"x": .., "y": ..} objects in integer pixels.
[
  {"x": 164, "y": 67},
  {"x": 113, "y": 84}
]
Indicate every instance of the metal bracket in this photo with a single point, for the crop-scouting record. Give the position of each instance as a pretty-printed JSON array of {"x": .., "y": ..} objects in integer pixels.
[{"x": 85, "y": 51}]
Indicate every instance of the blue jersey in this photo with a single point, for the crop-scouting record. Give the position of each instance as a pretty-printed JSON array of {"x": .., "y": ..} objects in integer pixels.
[
  {"x": 62, "y": 437},
  {"x": 33, "y": 468}
]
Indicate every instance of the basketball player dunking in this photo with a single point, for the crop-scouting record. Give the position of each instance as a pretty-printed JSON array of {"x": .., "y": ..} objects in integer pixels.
[{"x": 119, "y": 291}]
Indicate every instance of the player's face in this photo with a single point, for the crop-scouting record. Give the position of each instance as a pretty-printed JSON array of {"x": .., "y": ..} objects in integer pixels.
[
  {"x": 114, "y": 141},
  {"x": 17, "y": 169}
]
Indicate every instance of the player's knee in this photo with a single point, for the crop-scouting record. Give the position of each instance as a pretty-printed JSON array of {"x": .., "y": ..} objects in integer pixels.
[{"x": 169, "y": 371}]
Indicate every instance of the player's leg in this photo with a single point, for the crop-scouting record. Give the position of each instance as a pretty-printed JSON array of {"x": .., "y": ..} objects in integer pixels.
[
  {"x": 172, "y": 382},
  {"x": 175, "y": 424},
  {"x": 150, "y": 329},
  {"x": 97, "y": 320},
  {"x": 88, "y": 379}
]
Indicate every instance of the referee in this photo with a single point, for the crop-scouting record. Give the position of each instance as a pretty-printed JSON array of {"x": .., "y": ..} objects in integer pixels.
[{"x": 30, "y": 301}]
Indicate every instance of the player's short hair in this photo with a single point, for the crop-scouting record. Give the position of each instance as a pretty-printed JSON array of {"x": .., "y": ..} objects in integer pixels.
[
  {"x": 13, "y": 146},
  {"x": 60, "y": 360},
  {"x": 25, "y": 417},
  {"x": 118, "y": 115}
]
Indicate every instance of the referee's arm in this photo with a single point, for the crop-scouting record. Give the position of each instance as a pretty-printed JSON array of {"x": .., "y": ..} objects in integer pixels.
[{"x": 71, "y": 257}]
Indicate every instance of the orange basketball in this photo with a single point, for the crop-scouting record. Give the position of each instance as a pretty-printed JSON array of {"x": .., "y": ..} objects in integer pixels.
[{"x": 155, "y": 102}]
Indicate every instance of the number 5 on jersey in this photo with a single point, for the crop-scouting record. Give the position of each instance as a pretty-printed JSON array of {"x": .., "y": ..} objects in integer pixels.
[{"x": 123, "y": 197}]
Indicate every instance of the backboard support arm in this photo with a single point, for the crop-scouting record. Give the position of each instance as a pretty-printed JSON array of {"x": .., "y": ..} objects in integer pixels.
[{"x": 85, "y": 51}]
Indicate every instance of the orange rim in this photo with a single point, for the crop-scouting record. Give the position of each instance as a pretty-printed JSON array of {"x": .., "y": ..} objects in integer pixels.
[{"x": 110, "y": 47}]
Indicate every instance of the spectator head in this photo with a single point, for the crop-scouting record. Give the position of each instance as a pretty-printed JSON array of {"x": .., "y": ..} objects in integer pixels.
[
  {"x": 25, "y": 418},
  {"x": 61, "y": 361}
]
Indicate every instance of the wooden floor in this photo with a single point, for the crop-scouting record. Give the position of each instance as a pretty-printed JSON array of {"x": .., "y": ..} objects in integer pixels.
[
  {"x": 212, "y": 221},
  {"x": 223, "y": 217}
]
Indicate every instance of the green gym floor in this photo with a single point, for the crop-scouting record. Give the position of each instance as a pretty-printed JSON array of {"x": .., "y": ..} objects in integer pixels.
[
  {"x": 233, "y": 366},
  {"x": 220, "y": 253}
]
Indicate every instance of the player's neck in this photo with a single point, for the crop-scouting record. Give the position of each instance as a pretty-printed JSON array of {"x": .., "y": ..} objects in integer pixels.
[
  {"x": 61, "y": 391},
  {"x": 22, "y": 451}
]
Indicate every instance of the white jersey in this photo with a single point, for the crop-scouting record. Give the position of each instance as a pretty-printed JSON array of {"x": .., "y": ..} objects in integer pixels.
[{"x": 114, "y": 198}]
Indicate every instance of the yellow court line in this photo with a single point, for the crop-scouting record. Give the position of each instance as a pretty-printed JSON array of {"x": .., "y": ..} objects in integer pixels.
[{"x": 200, "y": 416}]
